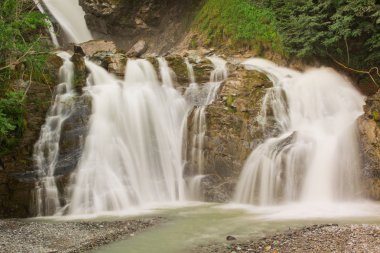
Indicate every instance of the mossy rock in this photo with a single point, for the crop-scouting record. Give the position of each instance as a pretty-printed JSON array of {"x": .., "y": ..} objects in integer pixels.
[
  {"x": 178, "y": 65},
  {"x": 51, "y": 69},
  {"x": 80, "y": 72}
]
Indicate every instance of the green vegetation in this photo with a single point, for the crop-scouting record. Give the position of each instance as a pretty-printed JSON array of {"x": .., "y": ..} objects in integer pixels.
[
  {"x": 342, "y": 32},
  {"x": 238, "y": 23},
  {"x": 20, "y": 59},
  {"x": 347, "y": 31}
]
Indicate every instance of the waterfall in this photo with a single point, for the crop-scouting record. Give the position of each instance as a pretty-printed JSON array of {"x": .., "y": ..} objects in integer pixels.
[
  {"x": 190, "y": 70},
  {"x": 167, "y": 74},
  {"x": 201, "y": 97},
  {"x": 314, "y": 157},
  {"x": 70, "y": 16},
  {"x": 133, "y": 153},
  {"x": 46, "y": 150},
  {"x": 49, "y": 23}
]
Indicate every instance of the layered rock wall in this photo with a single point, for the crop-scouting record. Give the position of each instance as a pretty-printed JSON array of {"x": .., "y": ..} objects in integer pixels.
[
  {"x": 369, "y": 127},
  {"x": 160, "y": 23},
  {"x": 18, "y": 176}
]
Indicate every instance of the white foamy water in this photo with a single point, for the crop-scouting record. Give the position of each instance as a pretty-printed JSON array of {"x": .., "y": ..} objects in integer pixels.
[
  {"x": 70, "y": 16},
  {"x": 190, "y": 70},
  {"x": 46, "y": 150},
  {"x": 314, "y": 158},
  {"x": 49, "y": 24},
  {"x": 133, "y": 152}
]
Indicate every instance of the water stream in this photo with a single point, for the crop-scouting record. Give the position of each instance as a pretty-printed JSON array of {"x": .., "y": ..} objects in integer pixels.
[
  {"x": 133, "y": 153},
  {"x": 49, "y": 24},
  {"x": 187, "y": 228},
  {"x": 70, "y": 16},
  {"x": 46, "y": 150},
  {"x": 314, "y": 158}
]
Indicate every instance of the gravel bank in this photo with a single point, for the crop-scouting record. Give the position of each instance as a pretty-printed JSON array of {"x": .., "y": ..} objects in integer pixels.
[
  {"x": 318, "y": 239},
  {"x": 23, "y": 236}
]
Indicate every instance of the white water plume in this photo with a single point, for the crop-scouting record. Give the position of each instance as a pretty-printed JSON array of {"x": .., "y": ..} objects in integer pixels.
[
  {"x": 133, "y": 152},
  {"x": 167, "y": 74},
  {"x": 314, "y": 158},
  {"x": 70, "y": 16},
  {"x": 49, "y": 24},
  {"x": 46, "y": 150}
]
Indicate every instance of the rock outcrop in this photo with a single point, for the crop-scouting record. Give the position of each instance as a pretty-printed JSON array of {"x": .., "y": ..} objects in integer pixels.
[
  {"x": 18, "y": 177},
  {"x": 160, "y": 23},
  {"x": 369, "y": 126},
  {"x": 232, "y": 131}
]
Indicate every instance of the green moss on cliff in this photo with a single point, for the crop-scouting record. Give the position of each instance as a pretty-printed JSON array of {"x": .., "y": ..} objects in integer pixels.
[{"x": 21, "y": 62}]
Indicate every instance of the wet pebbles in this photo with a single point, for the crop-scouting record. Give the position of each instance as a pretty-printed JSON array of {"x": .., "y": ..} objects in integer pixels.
[
  {"x": 317, "y": 238},
  {"x": 48, "y": 237}
]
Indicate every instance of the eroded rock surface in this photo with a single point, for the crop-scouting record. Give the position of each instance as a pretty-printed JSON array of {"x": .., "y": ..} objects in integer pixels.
[
  {"x": 232, "y": 131},
  {"x": 160, "y": 23},
  {"x": 18, "y": 177},
  {"x": 369, "y": 126}
]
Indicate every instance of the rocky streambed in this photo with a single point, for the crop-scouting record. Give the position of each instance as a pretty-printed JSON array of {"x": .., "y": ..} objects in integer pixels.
[
  {"x": 316, "y": 238},
  {"x": 26, "y": 236}
]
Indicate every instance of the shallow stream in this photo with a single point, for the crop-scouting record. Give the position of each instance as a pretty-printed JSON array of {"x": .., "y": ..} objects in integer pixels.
[{"x": 191, "y": 226}]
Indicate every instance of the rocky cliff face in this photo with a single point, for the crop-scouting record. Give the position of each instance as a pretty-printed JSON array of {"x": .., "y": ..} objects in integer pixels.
[
  {"x": 159, "y": 23},
  {"x": 232, "y": 131},
  {"x": 17, "y": 176},
  {"x": 369, "y": 126}
]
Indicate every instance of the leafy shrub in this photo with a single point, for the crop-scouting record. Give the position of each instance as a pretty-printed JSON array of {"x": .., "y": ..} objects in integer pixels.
[
  {"x": 348, "y": 30},
  {"x": 21, "y": 57},
  {"x": 11, "y": 117}
]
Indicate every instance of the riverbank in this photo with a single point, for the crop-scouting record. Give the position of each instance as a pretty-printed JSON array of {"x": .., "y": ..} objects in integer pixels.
[
  {"x": 25, "y": 236},
  {"x": 317, "y": 238}
]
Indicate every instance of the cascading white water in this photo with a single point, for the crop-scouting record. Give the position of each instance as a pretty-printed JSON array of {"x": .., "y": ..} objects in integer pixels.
[
  {"x": 314, "y": 158},
  {"x": 190, "y": 70},
  {"x": 133, "y": 152},
  {"x": 167, "y": 74},
  {"x": 46, "y": 150},
  {"x": 201, "y": 97},
  {"x": 70, "y": 16},
  {"x": 49, "y": 23}
]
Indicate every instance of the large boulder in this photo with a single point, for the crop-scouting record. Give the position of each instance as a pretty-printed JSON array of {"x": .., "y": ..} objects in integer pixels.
[{"x": 232, "y": 131}]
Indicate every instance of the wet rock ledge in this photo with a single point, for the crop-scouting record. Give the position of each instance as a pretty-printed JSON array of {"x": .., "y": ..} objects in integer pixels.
[
  {"x": 313, "y": 239},
  {"x": 24, "y": 236}
]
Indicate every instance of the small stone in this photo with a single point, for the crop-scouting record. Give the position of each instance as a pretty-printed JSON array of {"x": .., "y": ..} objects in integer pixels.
[
  {"x": 79, "y": 50},
  {"x": 138, "y": 49},
  {"x": 230, "y": 238}
]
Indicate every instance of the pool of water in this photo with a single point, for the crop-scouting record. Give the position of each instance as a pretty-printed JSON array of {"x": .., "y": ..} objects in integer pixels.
[{"x": 187, "y": 227}]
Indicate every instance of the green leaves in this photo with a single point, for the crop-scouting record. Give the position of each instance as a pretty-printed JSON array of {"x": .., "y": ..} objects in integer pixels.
[
  {"x": 21, "y": 26},
  {"x": 11, "y": 114},
  {"x": 340, "y": 28}
]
